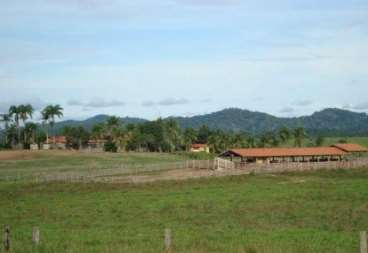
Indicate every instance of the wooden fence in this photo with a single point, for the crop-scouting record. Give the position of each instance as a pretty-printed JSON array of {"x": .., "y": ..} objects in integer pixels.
[
  {"x": 98, "y": 174},
  {"x": 167, "y": 242},
  {"x": 300, "y": 166},
  {"x": 220, "y": 165}
]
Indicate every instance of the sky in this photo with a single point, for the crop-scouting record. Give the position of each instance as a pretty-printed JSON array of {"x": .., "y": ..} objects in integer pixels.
[{"x": 158, "y": 58}]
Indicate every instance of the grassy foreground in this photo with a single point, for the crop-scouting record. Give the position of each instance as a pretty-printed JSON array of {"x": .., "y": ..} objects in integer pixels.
[{"x": 308, "y": 212}]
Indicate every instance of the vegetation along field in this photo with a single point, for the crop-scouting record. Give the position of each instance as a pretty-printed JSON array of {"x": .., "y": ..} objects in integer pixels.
[{"x": 295, "y": 212}]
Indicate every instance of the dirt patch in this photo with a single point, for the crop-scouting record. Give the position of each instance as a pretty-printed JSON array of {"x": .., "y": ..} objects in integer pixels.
[{"x": 179, "y": 174}]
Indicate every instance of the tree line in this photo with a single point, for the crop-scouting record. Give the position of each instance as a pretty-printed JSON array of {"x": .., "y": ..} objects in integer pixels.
[
  {"x": 20, "y": 132},
  {"x": 161, "y": 135},
  {"x": 165, "y": 135}
]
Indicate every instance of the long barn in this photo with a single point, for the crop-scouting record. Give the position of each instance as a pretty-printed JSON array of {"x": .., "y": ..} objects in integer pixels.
[{"x": 274, "y": 155}]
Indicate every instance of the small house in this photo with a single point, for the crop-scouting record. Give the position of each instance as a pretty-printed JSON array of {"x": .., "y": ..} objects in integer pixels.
[
  {"x": 199, "y": 148},
  {"x": 57, "y": 142}
]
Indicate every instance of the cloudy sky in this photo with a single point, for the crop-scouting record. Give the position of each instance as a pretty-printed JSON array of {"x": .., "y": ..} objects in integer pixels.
[{"x": 151, "y": 58}]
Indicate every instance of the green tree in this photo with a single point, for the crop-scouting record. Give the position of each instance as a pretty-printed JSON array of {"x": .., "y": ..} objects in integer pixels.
[
  {"x": 98, "y": 131},
  {"x": 49, "y": 113},
  {"x": 14, "y": 113},
  {"x": 25, "y": 112},
  {"x": 203, "y": 134},
  {"x": 6, "y": 119},
  {"x": 76, "y": 137},
  {"x": 284, "y": 134},
  {"x": 190, "y": 137},
  {"x": 29, "y": 133},
  {"x": 299, "y": 136},
  {"x": 173, "y": 134},
  {"x": 320, "y": 141}
]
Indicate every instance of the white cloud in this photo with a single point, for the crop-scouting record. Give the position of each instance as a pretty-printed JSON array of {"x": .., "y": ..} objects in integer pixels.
[
  {"x": 303, "y": 102},
  {"x": 96, "y": 103},
  {"x": 173, "y": 101},
  {"x": 287, "y": 110}
]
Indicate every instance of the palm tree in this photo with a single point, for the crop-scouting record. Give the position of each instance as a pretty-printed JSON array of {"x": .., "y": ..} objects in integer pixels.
[
  {"x": 172, "y": 129},
  {"x": 98, "y": 130},
  {"x": 25, "y": 112},
  {"x": 112, "y": 123},
  {"x": 299, "y": 136},
  {"x": 14, "y": 112},
  {"x": 190, "y": 136},
  {"x": 48, "y": 116},
  {"x": 284, "y": 134},
  {"x": 6, "y": 119},
  {"x": 29, "y": 132}
]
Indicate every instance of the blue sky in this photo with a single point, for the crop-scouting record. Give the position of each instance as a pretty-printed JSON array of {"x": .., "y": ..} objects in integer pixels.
[{"x": 149, "y": 58}]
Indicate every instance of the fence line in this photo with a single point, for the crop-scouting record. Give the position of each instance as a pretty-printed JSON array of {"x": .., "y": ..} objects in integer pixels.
[
  {"x": 95, "y": 174},
  {"x": 167, "y": 243},
  {"x": 300, "y": 166},
  {"x": 218, "y": 164}
]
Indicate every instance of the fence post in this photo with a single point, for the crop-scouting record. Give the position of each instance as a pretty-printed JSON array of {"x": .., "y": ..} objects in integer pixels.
[
  {"x": 36, "y": 236},
  {"x": 363, "y": 242},
  {"x": 167, "y": 240},
  {"x": 7, "y": 238}
]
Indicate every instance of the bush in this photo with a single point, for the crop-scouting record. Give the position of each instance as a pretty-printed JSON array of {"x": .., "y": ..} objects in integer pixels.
[{"x": 110, "y": 147}]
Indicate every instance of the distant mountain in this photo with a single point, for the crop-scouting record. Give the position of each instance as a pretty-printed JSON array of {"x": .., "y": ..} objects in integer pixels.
[{"x": 328, "y": 122}]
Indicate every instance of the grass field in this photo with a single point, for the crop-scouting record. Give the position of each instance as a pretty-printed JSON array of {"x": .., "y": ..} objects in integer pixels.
[
  {"x": 308, "y": 212},
  {"x": 33, "y": 162}
]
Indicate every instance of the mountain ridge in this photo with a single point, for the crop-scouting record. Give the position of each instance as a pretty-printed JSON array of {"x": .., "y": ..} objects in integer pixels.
[{"x": 329, "y": 121}]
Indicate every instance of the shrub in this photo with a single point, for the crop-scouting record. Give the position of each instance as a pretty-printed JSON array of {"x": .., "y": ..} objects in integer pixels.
[{"x": 110, "y": 147}]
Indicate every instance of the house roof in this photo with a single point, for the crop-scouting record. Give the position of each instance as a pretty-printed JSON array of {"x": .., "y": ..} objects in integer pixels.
[
  {"x": 351, "y": 147},
  {"x": 285, "y": 152},
  {"x": 58, "y": 139},
  {"x": 197, "y": 145}
]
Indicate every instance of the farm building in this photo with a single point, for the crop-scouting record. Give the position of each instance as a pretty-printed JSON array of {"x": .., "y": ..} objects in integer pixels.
[
  {"x": 199, "y": 148},
  {"x": 276, "y": 155},
  {"x": 56, "y": 142},
  {"x": 351, "y": 148}
]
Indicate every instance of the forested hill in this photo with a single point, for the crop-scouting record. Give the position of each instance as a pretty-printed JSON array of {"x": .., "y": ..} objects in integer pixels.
[{"x": 329, "y": 122}]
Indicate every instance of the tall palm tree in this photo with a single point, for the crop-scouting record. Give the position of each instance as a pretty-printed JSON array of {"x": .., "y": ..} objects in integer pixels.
[
  {"x": 14, "y": 112},
  {"x": 6, "y": 119},
  {"x": 112, "y": 123},
  {"x": 25, "y": 112},
  {"x": 29, "y": 132},
  {"x": 173, "y": 131},
  {"x": 97, "y": 132},
  {"x": 299, "y": 136},
  {"x": 48, "y": 116}
]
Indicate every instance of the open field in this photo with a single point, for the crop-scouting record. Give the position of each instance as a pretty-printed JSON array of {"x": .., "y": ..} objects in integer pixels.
[
  {"x": 291, "y": 212},
  {"x": 36, "y": 162}
]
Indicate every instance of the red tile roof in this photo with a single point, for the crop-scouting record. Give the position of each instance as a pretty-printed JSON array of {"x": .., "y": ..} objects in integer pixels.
[
  {"x": 58, "y": 139},
  {"x": 350, "y": 147},
  {"x": 286, "y": 152}
]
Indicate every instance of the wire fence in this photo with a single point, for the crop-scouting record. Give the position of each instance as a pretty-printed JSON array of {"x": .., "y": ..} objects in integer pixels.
[{"x": 191, "y": 168}]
